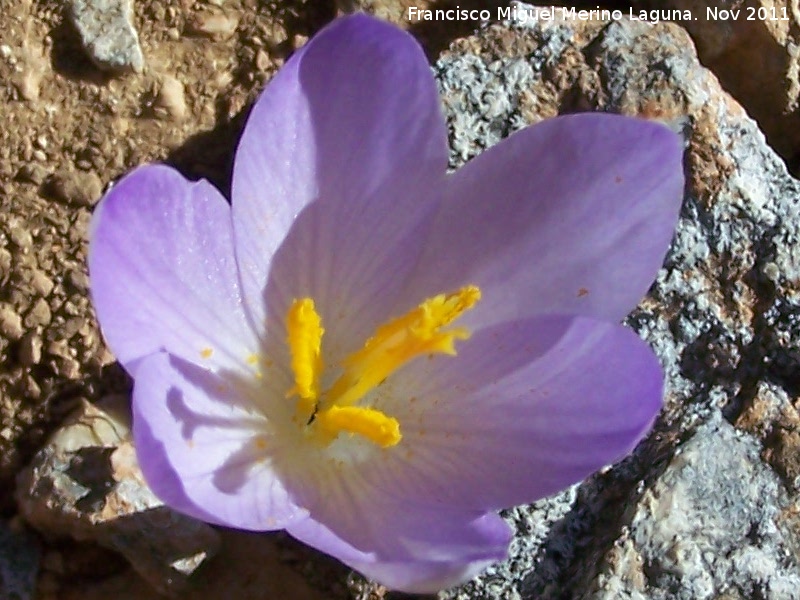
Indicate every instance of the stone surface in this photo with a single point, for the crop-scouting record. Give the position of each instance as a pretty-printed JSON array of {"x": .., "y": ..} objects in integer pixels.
[
  {"x": 715, "y": 522},
  {"x": 108, "y": 34},
  {"x": 214, "y": 24},
  {"x": 756, "y": 55},
  {"x": 86, "y": 484},
  {"x": 19, "y": 562},
  {"x": 170, "y": 100}
]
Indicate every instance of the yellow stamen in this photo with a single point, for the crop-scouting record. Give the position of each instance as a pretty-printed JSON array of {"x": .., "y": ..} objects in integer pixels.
[
  {"x": 393, "y": 345},
  {"x": 304, "y": 336},
  {"x": 367, "y": 422},
  {"x": 206, "y": 352},
  {"x": 400, "y": 340}
]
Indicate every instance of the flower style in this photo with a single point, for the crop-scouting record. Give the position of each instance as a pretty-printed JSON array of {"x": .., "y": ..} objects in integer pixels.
[{"x": 372, "y": 354}]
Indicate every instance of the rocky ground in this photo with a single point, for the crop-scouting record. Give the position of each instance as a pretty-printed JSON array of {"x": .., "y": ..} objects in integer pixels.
[{"x": 708, "y": 506}]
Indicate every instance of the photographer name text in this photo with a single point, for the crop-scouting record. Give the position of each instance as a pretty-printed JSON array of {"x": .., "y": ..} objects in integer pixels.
[{"x": 552, "y": 13}]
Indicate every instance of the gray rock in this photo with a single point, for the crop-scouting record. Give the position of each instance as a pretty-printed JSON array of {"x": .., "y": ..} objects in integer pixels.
[
  {"x": 722, "y": 317},
  {"x": 710, "y": 525},
  {"x": 756, "y": 56},
  {"x": 87, "y": 484},
  {"x": 108, "y": 34},
  {"x": 19, "y": 563}
]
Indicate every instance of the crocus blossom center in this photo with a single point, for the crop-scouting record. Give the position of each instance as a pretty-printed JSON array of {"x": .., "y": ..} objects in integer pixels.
[{"x": 395, "y": 343}]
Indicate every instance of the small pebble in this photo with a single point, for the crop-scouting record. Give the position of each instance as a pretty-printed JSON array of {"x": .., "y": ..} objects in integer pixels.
[
  {"x": 171, "y": 98},
  {"x": 30, "y": 349},
  {"x": 69, "y": 368},
  {"x": 32, "y": 173},
  {"x": 28, "y": 85},
  {"x": 772, "y": 272},
  {"x": 20, "y": 236},
  {"x": 39, "y": 314},
  {"x": 58, "y": 348},
  {"x": 41, "y": 283},
  {"x": 298, "y": 40},
  {"x": 80, "y": 188},
  {"x": 217, "y": 25},
  {"x": 5, "y": 262},
  {"x": 79, "y": 280},
  {"x": 262, "y": 61},
  {"x": 10, "y": 323},
  {"x": 31, "y": 389}
]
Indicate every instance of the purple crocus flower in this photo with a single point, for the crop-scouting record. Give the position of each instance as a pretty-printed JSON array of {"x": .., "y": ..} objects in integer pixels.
[{"x": 370, "y": 353}]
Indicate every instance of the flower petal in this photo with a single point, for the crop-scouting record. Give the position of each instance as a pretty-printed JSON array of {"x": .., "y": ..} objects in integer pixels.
[
  {"x": 204, "y": 447},
  {"x": 406, "y": 547},
  {"x": 163, "y": 273},
  {"x": 353, "y": 124},
  {"x": 525, "y": 409},
  {"x": 572, "y": 215}
]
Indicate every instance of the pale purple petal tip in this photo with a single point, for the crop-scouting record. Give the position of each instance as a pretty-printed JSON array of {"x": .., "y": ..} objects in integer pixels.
[
  {"x": 353, "y": 125},
  {"x": 425, "y": 552},
  {"x": 527, "y": 408},
  {"x": 162, "y": 270},
  {"x": 572, "y": 215}
]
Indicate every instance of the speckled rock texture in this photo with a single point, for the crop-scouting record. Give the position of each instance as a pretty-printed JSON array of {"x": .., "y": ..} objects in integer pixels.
[
  {"x": 707, "y": 507},
  {"x": 712, "y": 523},
  {"x": 753, "y": 46},
  {"x": 108, "y": 33}
]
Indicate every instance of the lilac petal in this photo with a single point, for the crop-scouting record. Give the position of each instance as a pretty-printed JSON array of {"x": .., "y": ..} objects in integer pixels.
[
  {"x": 162, "y": 270},
  {"x": 205, "y": 449},
  {"x": 524, "y": 410},
  {"x": 426, "y": 577},
  {"x": 407, "y": 547},
  {"x": 353, "y": 124},
  {"x": 572, "y": 215}
]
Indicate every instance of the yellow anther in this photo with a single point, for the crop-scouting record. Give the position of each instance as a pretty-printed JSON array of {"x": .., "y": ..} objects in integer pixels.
[
  {"x": 366, "y": 422},
  {"x": 206, "y": 352},
  {"x": 417, "y": 333},
  {"x": 304, "y": 336},
  {"x": 443, "y": 309},
  {"x": 399, "y": 341}
]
